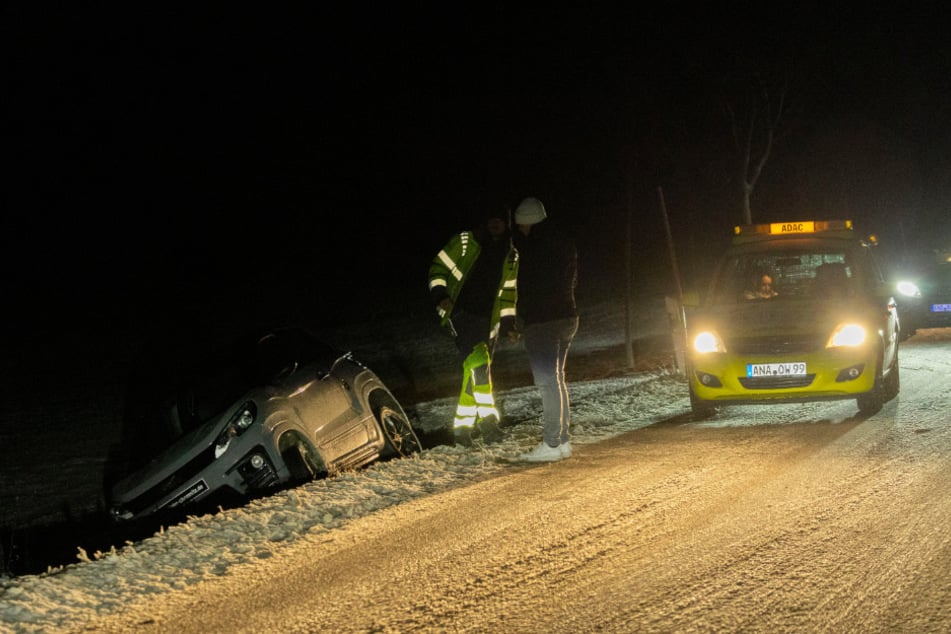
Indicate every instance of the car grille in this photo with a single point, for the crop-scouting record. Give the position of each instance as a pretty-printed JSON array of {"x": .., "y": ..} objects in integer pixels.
[
  {"x": 775, "y": 382},
  {"x": 186, "y": 473},
  {"x": 776, "y": 345},
  {"x": 257, "y": 479}
]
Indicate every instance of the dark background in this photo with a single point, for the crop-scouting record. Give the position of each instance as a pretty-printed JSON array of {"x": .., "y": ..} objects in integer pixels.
[
  {"x": 170, "y": 157},
  {"x": 177, "y": 173}
]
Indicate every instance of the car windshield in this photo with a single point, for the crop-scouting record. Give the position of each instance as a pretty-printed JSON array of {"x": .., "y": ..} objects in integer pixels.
[
  {"x": 779, "y": 275},
  {"x": 939, "y": 276},
  {"x": 196, "y": 385},
  {"x": 216, "y": 381}
]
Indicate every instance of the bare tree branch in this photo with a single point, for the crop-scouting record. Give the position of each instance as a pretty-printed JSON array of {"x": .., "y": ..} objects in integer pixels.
[{"x": 753, "y": 156}]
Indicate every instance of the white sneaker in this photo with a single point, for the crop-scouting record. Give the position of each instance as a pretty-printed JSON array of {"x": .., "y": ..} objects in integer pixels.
[
  {"x": 565, "y": 449},
  {"x": 542, "y": 453}
]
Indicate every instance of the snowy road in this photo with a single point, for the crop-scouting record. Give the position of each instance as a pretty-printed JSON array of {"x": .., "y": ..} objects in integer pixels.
[{"x": 765, "y": 519}]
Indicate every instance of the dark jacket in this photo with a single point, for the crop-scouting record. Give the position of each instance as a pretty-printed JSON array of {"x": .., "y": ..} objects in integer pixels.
[{"x": 547, "y": 274}]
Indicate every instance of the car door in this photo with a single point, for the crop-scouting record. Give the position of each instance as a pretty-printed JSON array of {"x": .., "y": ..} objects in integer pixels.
[{"x": 316, "y": 391}]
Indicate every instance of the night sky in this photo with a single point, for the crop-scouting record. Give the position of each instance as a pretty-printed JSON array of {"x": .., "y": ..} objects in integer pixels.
[{"x": 164, "y": 154}]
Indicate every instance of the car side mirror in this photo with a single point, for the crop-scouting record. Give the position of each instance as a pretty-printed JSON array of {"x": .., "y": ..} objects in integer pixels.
[
  {"x": 691, "y": 299},
  {"x": 283, "y": 373}
]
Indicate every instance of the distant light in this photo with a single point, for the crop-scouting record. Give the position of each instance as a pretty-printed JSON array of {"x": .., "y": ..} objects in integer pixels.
[{"x": 908, "y": 289}]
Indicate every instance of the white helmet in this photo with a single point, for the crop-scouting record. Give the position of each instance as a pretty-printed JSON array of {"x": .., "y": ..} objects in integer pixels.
[{"x": 530, "y": 211}]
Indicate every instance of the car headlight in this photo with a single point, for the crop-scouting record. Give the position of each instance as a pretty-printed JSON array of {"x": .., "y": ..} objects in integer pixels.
[
  {"x": 708, "y": 341},
  {"x": 245, "y": 416},
  {"x": 238, "y": 424},
  {"x": 908, "y": 289},
  {"x": 119, "y": 513},
  {"x": 847, "y": 335}
]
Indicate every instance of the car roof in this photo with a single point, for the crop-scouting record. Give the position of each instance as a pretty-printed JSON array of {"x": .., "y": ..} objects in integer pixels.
[{"x": 819, "y": 243}]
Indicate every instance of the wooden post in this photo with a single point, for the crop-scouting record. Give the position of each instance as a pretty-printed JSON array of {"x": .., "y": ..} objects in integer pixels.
[
  {"x": 629, "y": 272},
  {"x": 675, "y": 306}
]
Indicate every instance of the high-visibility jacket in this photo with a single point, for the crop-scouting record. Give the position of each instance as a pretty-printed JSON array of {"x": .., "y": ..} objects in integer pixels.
[{"x": 451, "y": 266}]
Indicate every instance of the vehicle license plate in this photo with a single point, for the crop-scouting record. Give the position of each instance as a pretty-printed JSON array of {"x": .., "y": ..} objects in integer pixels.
[
  {"x": 795, "y": 368},
  {"x": 941, "y": 308},
  {"x": 192, "y": 491}
]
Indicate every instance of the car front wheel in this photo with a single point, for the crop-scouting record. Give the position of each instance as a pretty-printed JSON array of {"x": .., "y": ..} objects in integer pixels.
[
  {"x": 893, "y": 380},
  {"x": 302, "y": 463},
  {"x": 702, "y": 410},
  {"x": 872, "y": 401}
]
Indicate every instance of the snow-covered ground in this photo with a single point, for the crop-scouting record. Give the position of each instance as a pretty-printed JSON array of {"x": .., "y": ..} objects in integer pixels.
[
  {"x": 100, "y": 583},
  {"x": 620, "y": 399},
  {"x": 63, "y": 401},
  {"x": 611, "y": 393}
]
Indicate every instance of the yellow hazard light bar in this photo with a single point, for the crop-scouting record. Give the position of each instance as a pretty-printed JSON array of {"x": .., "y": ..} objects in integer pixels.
[{"x": 791, "y": 228}]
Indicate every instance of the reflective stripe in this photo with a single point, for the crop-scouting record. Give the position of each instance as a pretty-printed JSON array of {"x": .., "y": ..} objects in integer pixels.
[
  {"x": 463, "y": 411},
  {"x": 509, "y": 284},
  {"x": 450, "y": 264},
  {"x": 507, "y": 312},
  {"x": 468, "y": 421},
  {"x": 436, "y": 281},
  {"x": 485, "y": 412},
  {"x": 483, "y": 398}
]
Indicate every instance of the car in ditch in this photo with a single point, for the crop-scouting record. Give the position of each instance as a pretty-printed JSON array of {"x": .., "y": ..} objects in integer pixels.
[
  {"x": 267, "y": 411},
  {"x": 795, "y": 312}
]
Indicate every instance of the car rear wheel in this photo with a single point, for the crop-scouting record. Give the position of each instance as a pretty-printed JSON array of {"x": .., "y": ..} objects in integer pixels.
[{"x": 401, "y": 440}]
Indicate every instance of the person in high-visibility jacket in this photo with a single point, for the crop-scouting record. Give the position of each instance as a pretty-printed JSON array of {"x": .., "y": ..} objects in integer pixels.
[{"x": 472, "y": 281}]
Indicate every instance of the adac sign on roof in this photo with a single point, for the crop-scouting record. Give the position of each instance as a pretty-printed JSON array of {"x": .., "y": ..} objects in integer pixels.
[{"x": 777, "y": 229}]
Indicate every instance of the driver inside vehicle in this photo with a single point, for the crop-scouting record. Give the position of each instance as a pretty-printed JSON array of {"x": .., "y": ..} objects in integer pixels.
[{"x": 761, "y": 287}]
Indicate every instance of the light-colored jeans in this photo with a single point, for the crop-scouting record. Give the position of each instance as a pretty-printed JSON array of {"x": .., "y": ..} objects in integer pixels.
[{"x": 547, "y": 345}]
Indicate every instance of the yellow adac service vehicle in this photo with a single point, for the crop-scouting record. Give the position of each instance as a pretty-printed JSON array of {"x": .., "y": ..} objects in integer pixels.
[{"x": 796, "y": 312}]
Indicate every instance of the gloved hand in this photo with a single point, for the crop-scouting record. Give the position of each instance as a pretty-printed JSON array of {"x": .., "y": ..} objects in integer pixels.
[{"x": 509, "y": 329}]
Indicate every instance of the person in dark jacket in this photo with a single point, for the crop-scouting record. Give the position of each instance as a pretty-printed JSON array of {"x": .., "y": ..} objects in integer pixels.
[{"x": 548, "y": 315}]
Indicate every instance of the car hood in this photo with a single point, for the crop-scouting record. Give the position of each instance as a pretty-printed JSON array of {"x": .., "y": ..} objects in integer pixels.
[
  {"x": 777, "y": 318},
  {"x": 171, "y": 459}
]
